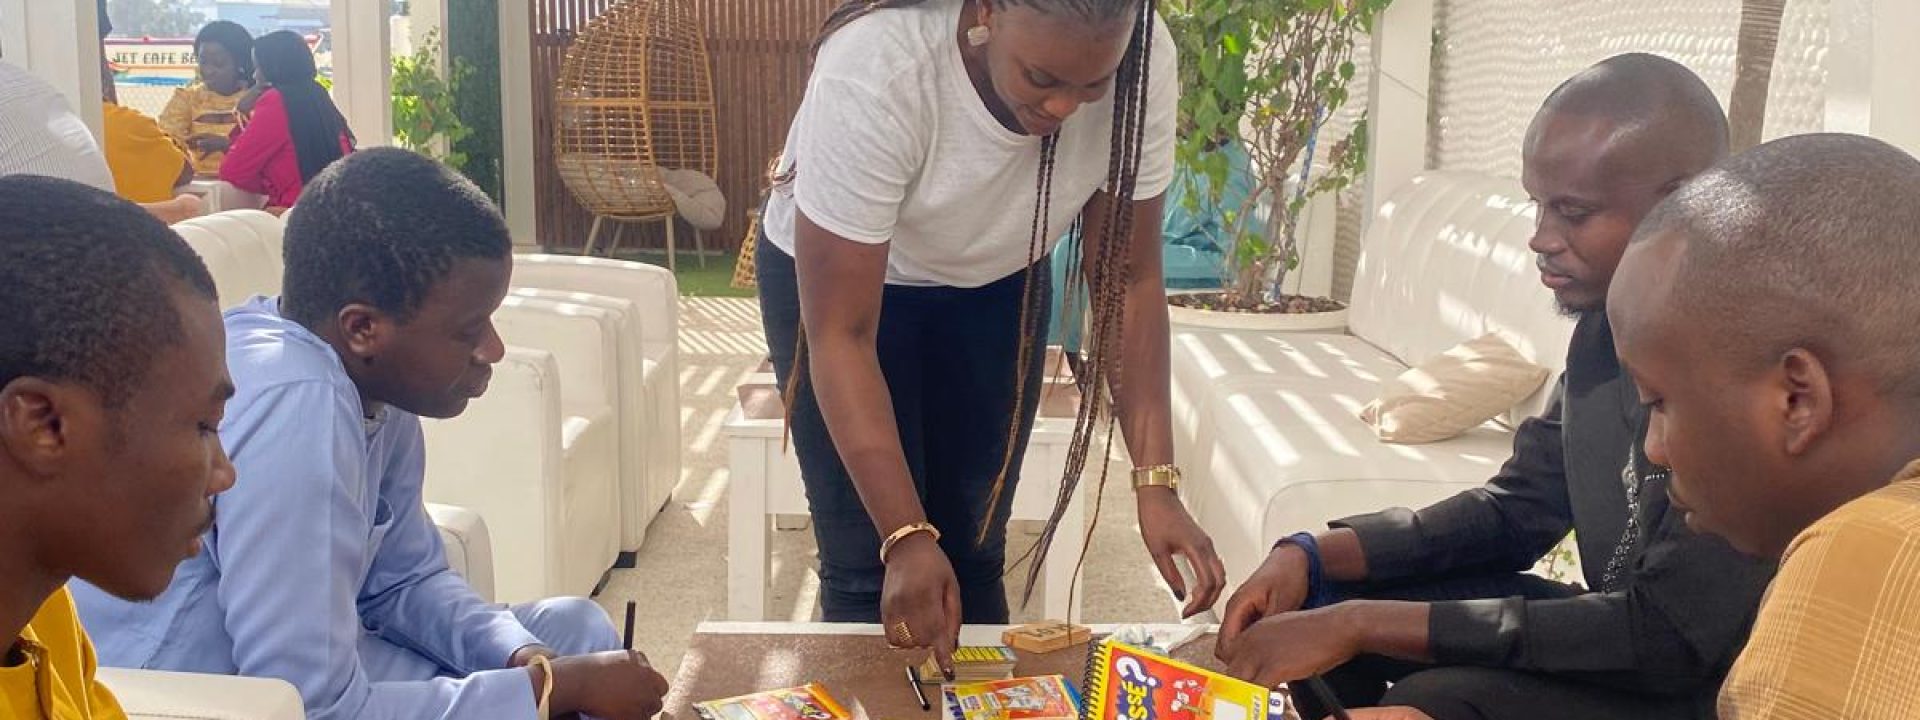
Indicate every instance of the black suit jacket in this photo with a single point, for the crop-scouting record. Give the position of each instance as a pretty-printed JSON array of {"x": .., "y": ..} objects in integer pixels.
[{"x": 1680, "y": 614}]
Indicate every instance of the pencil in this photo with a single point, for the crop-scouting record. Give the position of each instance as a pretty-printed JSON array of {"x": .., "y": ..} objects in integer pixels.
[
  {"x": 1327, "y": 698},
  {"x": 628, "y": 637},
  {"x": 913, "y": 680}
]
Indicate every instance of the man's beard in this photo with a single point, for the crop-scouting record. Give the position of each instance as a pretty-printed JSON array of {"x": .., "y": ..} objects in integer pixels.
[{"x": 1576, "y": 313}]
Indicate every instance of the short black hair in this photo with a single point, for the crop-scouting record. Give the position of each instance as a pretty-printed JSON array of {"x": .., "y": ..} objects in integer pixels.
[
  {"x": 383, "y": 226},
  {"x": 88, "y": 282},
  {"x": 1810, "y": 241},
  {"x": 235, "y": 38}
]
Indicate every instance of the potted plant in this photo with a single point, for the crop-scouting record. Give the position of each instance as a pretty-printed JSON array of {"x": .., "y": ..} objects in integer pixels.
[
  {"x": 1262, "y": 78},
  {"x": 425, "y": 119}
]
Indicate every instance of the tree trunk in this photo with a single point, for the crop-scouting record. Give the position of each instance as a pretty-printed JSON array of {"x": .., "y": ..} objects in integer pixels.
[{"x": 1753, "y": 71}]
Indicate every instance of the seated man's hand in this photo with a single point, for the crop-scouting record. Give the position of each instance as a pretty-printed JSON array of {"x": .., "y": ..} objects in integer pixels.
[
  {"x": 1294, "y": 645},
  {"x": 1389, "y": 713},
  {"x": 614, "y": 685},
  {"x": 1280, "y": 585}
]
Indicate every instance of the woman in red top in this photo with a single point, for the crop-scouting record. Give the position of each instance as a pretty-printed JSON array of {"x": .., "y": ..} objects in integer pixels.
[{"x": 295, "y": 130}]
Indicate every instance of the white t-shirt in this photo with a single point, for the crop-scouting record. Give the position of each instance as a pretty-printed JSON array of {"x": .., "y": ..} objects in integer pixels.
[
  {"x": 893, "y": 144},
  {"x": 41, "y": 135}
]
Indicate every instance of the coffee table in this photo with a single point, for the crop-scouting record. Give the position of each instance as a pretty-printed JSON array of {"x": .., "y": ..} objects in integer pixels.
[{"x": 726, "y": 659}]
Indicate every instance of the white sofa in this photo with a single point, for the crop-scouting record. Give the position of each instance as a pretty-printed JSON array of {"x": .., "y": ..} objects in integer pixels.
[
  {"x": 654, "y": 441},
  {"x": 1266, "y": 423}
]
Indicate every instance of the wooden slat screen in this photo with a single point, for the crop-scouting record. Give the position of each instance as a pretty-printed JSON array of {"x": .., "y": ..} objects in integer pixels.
[{"x": 759, "y": 53}]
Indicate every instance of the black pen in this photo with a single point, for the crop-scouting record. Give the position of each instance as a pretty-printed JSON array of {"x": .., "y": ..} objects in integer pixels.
[
  {"x": 1332, "y": 702},
  {"x": 913, "y": 679},
  {"x": 628, "y": 641}
]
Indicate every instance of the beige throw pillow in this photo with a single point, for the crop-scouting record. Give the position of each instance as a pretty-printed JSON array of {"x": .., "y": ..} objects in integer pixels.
[{"x": 1453, "y": 393}]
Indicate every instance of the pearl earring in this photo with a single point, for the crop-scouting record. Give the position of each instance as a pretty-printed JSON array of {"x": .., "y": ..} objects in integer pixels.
[{"x": 978, "y": 35}]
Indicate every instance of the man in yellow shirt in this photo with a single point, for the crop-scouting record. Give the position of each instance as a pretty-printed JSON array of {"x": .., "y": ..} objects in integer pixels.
[
  {"x": 1767, "y": 312},
  {"x": 112, "y": 381},
  {"x": 147, "y": 164}
]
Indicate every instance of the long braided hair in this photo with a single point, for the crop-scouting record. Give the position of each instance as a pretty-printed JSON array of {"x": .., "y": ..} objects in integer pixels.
[{"x": 1100, "y": 280}]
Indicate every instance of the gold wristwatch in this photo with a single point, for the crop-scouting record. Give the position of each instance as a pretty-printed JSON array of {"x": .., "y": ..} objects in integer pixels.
[{"x": 1166, "y": 476}]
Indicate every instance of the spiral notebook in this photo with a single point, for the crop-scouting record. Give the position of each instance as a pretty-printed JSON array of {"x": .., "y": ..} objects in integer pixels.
[{"x": 1127, "y": 683}]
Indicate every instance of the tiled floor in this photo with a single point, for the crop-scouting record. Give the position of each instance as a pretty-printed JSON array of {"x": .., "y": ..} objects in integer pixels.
[{"x": 680, "y": 577}]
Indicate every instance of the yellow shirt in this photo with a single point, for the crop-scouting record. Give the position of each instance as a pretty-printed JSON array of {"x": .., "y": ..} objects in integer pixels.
[
  {"x": 145, "y": 161},
  {"x": 1839, "y": 633},
  {"x": 56, "y": 682},
  {"x": 195, "y": 110}
]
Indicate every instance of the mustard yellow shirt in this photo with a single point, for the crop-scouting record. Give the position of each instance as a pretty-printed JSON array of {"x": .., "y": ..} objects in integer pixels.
[
  {"x": 145, "y": 161},
  {"x": 1839, "y": 632},
  {"x": 195, "y": 110},
  {"x": 56, "y": 681}
]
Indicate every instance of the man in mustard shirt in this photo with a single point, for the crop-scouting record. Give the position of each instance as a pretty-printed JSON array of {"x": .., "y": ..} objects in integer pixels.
[
  {"x": 112, "y": 382},
  {"x": 1767, "y": 314}
]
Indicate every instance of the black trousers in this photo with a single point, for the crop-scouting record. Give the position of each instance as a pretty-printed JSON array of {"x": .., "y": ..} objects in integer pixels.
[
  {"x": 1476, "y": 693},
  {"x": 950, "y": 358}
]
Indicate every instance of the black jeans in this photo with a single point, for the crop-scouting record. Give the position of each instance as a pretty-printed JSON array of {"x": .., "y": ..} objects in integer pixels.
[
  {"x": 1477, "y": 693},
  {"x": 950, "y": 358}
]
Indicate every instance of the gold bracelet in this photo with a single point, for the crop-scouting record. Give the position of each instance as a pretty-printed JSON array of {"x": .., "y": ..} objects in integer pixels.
[
  {"x": 546, "y": 689},
  {"x": 903, "y": 533},
  {"x": 1166, "y": 476}
]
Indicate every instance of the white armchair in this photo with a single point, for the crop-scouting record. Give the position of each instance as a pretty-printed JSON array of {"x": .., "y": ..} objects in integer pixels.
[
  {"x": 629, "y": 402},
  {"x": 543, "y": 470},
  {"x": 156, "y": 695},
  {"x": 654, "y": 295},
  {"x": 242, "y": 251}
]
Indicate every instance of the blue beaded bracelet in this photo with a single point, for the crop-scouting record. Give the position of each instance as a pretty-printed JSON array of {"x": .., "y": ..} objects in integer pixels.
[{"x": 1319, "y": 590}]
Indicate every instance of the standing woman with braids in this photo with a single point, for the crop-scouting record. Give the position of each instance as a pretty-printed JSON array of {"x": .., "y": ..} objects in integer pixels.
[
  {"x": 294, "y": 132},
  {"x": 942, "y": 149}
]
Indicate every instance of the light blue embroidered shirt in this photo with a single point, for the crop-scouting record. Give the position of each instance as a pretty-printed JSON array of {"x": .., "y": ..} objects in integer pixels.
[{"x": 323, "y": 539}]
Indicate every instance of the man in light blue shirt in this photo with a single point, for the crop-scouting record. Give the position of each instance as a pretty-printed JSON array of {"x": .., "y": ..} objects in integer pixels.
[{"x": 322, "y": 567}]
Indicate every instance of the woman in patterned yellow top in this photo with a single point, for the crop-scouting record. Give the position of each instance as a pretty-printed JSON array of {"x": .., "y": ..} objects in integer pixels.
[{"x": 201, "y": 116}]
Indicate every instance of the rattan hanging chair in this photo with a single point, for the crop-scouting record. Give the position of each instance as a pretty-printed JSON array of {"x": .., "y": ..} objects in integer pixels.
[{"x": 634, "y": 105}]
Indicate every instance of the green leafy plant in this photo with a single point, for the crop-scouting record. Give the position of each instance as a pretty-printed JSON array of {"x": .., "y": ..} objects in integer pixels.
[
  {"x": 424, "y": 116},
  {"x": 1266, "y": 74}
]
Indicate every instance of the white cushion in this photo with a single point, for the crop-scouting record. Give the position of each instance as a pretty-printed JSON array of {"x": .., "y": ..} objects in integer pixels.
[
  {"x": 697, "y": 197},
  {"x": 1452, "y": 393}
]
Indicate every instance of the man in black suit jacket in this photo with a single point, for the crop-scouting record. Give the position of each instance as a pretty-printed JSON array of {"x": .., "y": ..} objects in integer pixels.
[{"x": 1436, "y": 601}]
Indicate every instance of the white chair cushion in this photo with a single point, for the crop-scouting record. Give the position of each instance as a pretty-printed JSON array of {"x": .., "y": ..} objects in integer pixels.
[
  {"x": 697, "y": 197},
  {"x": 1455, "y": 392}
]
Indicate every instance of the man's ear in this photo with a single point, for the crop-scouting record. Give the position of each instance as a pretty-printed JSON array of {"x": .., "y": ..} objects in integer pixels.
[
  {"x": 365, "y": 329},
  {"x": 1807, "y": 389},
  {"x": 33, "y": 424}
]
